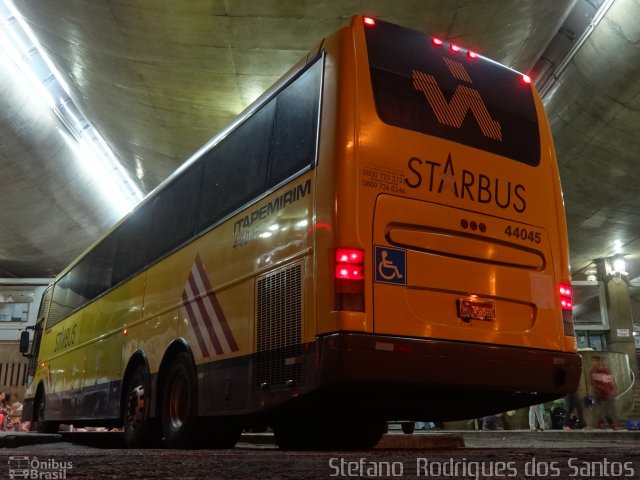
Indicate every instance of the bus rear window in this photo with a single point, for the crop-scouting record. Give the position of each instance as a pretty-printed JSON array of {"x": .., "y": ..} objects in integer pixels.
[{"x": 431, "y": 88}]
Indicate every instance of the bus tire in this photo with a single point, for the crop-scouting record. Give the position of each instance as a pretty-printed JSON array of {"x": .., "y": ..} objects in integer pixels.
[
  {"x": 179, "y": 403},
  {"x": 138, "y": 426},
  {"x": 42, "y": 426}
]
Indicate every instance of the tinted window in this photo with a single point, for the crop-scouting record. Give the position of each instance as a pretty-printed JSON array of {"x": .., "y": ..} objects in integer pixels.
[
  {"x": 131, "y": 247},
  {"x": 294, "y": 136},
  {"x": 235, "y": 170},
  {"x": 100, "y": 267},
  {"x": 85, "y": 281},
  {"x": 426, "y": 88},
  {"x": 253, "y": 157},
  {"x": 65, "y": 300},
  {"x": 45, "y": 303},
  {"x": 175, "y": 212}
]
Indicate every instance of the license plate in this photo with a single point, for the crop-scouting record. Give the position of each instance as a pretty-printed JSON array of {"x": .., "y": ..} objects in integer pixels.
[{"x": 473, "y": 309}]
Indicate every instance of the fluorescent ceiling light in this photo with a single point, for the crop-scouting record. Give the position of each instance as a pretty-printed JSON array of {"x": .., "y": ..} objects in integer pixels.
[{"x": 21, "y": 45}]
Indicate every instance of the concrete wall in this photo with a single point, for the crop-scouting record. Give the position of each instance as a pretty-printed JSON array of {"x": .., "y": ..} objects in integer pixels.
[
  {"x": 13, "y": 369},
  {"x": 20, "y": 291}
]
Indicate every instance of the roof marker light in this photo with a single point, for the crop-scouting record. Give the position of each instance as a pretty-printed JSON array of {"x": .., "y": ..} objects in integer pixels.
[
  {"x": 437, "y": 42},
  {"x": 471, "y": 54},
  {"x": 454, "y": 48},
  {"x": 369, "y": 21},
  {"x": 526, "y": 78}
]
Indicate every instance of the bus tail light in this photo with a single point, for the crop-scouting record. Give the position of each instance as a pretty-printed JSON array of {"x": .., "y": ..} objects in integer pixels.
[
  {"x": 566, "y": 304},
  {"x": 349, "y": 279}
]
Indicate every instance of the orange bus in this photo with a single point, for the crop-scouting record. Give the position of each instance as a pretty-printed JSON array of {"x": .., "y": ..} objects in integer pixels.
[{"x": 380, "y": 236}]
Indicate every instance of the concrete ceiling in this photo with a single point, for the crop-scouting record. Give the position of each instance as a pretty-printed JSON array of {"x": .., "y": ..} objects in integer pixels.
[{"x": 159, "y": 78}]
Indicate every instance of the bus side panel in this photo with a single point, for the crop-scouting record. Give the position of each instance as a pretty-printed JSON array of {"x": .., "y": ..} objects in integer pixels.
[
  {"x": 62, "y": 361},
  {"x": 104, "y": 322},
  {"x": 228, "y": 379},
  {"x": 204, "y": 293},
  {"x": 561, "y": 245},
  {"x": 80, "y": 357},
  {"x": 337, "y": 210}
]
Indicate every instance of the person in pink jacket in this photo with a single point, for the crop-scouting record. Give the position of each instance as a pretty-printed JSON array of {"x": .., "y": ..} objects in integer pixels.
[{"x": 604, "y": 388}]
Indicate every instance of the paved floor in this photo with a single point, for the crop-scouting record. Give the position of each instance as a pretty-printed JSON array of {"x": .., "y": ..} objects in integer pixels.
[
  {"x": 394, "y": 440},
  {"x": 485, "y": 456}
]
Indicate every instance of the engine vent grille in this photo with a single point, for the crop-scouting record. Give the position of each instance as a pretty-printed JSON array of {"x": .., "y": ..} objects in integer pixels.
[{"x": 279, "y": 328}]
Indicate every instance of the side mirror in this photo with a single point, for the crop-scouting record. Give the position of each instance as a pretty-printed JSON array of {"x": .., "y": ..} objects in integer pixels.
[{"x": 24, "y": 342}]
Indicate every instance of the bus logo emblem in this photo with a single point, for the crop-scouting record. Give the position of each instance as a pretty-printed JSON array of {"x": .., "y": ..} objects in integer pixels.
[
  {"x": 391, "y": 265},
  {"x": 206, "y": 318},
  {"x": 453, "y": 112}
]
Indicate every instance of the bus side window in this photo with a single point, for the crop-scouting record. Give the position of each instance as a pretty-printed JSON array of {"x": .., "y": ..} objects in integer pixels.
[
  {"x": 131, "y": 249},
  {"x": 100, "y": 267},
  {"x": 174, "y": 217},
  {"x": 235, "y": 170},
  {"x": 61, "y": 306},
  {"x": 296, "y": 125}
]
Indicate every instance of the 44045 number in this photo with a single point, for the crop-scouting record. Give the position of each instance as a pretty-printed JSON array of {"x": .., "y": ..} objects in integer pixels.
[{"x": 522, "y": 234}]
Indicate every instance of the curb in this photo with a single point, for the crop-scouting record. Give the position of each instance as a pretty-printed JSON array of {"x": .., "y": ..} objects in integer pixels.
[
  {"x": 387, "y": 442},
  {"x": 14, "y": 440},
  {"x": 431, "y": 441}
]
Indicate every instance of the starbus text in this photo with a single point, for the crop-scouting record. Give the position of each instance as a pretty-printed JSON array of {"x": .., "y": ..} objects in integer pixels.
[{"x": 477, "y": 187}]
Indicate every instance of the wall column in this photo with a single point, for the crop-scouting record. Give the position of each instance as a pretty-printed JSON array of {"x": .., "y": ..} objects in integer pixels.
[{"x": 619, "y": 338}]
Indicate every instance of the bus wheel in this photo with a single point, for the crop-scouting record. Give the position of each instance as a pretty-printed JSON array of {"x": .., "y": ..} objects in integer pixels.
[
  {"x": 42, "y": 425},
  {"x": 179, "y": 403},
  {"x": 137, "y": 424}
]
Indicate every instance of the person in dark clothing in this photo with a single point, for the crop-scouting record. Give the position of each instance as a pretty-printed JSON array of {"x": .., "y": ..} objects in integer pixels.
[{"x": 572, "y": 403}]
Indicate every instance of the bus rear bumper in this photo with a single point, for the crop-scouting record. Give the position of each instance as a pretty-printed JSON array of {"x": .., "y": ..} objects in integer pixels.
[{"x": 493, "y": 377}]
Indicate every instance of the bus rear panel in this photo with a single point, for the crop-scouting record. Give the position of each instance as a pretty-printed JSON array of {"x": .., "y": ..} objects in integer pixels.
[{"x": 457, "y": 211}]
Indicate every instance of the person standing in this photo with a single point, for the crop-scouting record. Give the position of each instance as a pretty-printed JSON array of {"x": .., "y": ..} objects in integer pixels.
[
  {"x": 4, "y": 411},
  {"x": 536, "y": 412},
  {"x": 572, "y": 403},
  {"x": 604, "y": 389}
]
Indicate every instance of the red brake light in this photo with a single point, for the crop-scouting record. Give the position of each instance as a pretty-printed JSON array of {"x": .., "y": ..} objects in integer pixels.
[
  {"x": 437, "y": 42},
  {"x": 349, "y": 255},
  {"x": 471, "y": 54},
  {"x": 369, "y": 21},
  {"x": 349, "y": 273},
  {"x": 566, "y": 301},
  {"x": 526, "y": 78},
  {"x": 566, "y": 304},
  {"x": 349, "y": 278},
  {"x": 454, "y": 48}
]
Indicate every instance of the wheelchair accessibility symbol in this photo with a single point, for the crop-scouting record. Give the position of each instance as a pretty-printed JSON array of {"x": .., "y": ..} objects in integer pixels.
[{"x": 391, "y": 265}]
